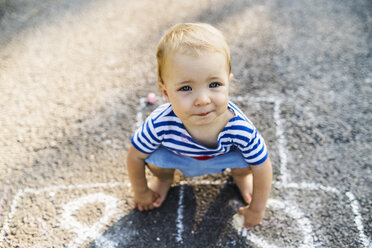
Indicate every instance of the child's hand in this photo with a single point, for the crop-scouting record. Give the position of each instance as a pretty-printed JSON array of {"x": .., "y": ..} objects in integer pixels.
[
  {"x": 146, "y": 200},
  {"x": 251, "y": 217}
]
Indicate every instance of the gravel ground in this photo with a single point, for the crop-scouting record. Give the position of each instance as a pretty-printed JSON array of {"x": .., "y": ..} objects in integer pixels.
[{"x": 72, "y": 73}]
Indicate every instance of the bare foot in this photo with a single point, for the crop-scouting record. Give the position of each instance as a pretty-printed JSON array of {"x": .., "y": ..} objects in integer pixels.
[
  {"x": 245, "y": 185},
  {"x": 161, "y": 187}
]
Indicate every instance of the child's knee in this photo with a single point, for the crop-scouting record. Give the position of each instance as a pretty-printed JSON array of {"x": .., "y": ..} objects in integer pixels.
[
  {"x": 160, "y": 172},
  {"x": 238, "y": 172}
]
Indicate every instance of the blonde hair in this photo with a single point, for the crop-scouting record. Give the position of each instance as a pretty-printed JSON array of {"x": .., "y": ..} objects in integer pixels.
[{"x": 191, "y": 39}]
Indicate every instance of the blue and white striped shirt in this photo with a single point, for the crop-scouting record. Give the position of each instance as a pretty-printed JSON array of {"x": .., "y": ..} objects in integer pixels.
[{"x": 163, "y": 127}]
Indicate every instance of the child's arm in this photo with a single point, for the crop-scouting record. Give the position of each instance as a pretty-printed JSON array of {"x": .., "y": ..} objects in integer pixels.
[
  {"x": 144, "y": 198},
  {"x": 262, "y": 176}
]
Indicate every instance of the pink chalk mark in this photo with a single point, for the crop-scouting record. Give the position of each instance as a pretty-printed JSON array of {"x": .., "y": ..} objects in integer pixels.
[{"x": 151, "y": 98}]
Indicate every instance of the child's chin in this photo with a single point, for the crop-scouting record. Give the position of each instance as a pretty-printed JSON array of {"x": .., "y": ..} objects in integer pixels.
[{"x": 205, "y": 121}]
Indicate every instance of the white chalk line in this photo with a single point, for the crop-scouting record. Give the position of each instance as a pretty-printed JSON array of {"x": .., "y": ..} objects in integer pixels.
[
  {"x": 300, "y": 186},
  {"x": 83, "y": 231},
  {"x": 292, "y": 211},
  {"x": 358, "y": 219},
  {"x": 179, "y": 220},
  {"x": 22, "y": 192},
  {"x": 78, "y": 186},
  {"x": 282, "y": 144},
  {"x": 308, "y": 186},
  {"x": 139, "y": 115},
  {"x": 3, "y": 198},
  {"x": 141, "y": 107},
  {"x": 284, "y": 175},
  {"x": 283, "y": 182}
]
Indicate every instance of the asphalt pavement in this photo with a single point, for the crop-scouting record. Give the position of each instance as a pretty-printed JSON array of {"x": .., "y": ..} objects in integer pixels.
[{"x": 74, "y": 76}]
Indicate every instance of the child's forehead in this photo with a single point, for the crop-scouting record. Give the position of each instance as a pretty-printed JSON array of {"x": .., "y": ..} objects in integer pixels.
[
  {"x": 189, "y": 53},
  {"x": 183, "y": 67}
]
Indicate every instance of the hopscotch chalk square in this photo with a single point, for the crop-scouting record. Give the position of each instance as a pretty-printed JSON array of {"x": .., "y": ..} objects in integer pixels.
[
  {"x": 265, "y": 114},
  {"x": 35, "y": 208},
  {"x": 64, "y": 215}
]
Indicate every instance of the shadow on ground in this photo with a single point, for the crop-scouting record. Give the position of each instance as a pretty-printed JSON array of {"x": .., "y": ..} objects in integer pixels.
[
  {"x": 17, "y": 16},
  {"x": 197, "y": 223}
]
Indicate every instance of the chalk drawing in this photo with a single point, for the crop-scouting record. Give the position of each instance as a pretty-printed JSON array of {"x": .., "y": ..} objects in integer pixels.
[
  {"x": 112, "y": 204},
  {"x": 21, "y": 193},
  {"x": 179, "y": 219},
  {"x": 279, "y": 131},
  {"x": 140, "y": 109},
  {"x": 102, "y": 241},
  {"x": 284, "y": 181},
  {"x": 284, "y": 174},
  {"x": 358, "y": 219},
  {"x": 292, "y": 211},
  {"x": 83, "y": 231},
  {"x": 3, "y": 198}
]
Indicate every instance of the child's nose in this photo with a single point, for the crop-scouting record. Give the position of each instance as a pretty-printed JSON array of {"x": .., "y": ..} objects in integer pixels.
[{"x": 202, "y": 99}]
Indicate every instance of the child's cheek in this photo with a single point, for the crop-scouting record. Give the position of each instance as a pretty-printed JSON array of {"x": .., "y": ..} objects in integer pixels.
[{"x": 222, "y": 98}]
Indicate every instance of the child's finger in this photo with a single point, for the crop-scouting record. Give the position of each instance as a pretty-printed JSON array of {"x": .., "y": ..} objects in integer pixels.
[
  {"x": 157, "y": 195},
  {"x": 241, "y": 210},
  {"x": 157, "y": 202},
  {"x": 151, "y": 206}
]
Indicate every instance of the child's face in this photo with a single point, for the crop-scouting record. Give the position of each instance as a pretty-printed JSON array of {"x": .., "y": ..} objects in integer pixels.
[{"x": 197, "y": 87}]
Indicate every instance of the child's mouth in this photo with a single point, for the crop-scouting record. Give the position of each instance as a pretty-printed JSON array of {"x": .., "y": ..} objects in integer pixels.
[{"x": 203, "y": 114}]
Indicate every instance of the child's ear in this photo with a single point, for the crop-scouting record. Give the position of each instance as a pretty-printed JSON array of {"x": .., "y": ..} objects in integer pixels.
[
  {"x": 163, "y": 90},
  {"x": 231, "y": 76}
]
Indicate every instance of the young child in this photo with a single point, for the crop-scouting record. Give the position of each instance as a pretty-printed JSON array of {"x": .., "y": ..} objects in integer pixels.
[{"x": 199, "y": 131}]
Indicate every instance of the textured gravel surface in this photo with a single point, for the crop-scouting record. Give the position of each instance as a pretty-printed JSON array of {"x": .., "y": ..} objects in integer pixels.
[{"x": 72, "y": 73}]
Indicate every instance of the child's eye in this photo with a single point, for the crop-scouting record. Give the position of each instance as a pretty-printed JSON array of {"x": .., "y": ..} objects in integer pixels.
[
  {"x": 185, "y": 88},
  {"x": 214, "y": 84}
]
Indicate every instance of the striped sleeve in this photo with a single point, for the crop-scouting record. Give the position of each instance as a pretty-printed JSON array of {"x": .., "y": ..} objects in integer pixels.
[
  {"x": 145, "y": 139},
  {"x": 250, "y": 143},
  {"x": 255, "y": 152}
]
